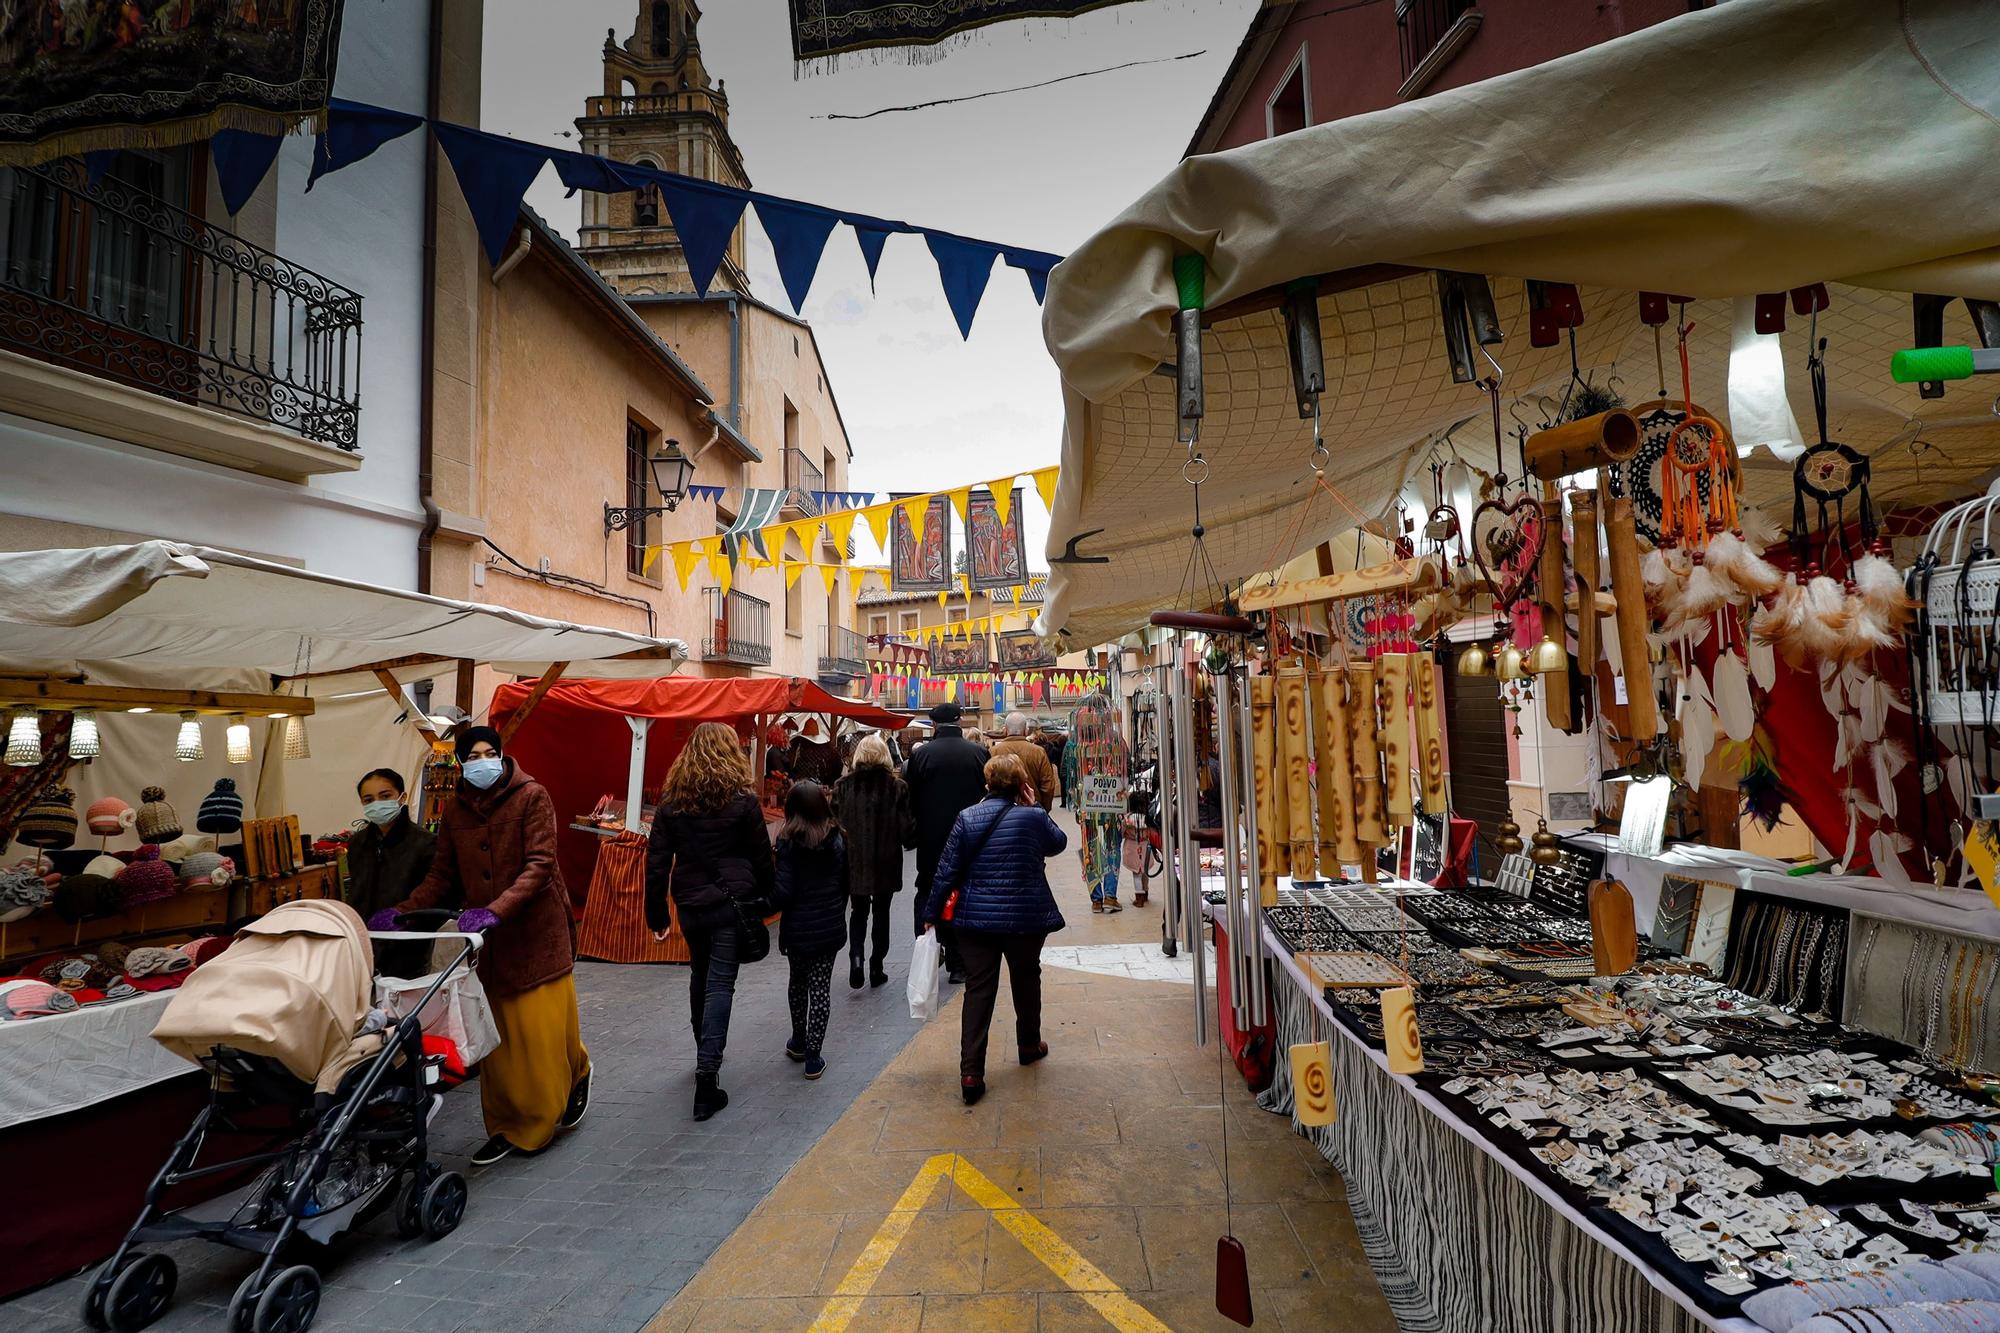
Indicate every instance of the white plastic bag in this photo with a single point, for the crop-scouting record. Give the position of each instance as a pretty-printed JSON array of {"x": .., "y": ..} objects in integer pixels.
[
  {"x": 924, "y": 977},
  {"x": 459, "y": 1011}
]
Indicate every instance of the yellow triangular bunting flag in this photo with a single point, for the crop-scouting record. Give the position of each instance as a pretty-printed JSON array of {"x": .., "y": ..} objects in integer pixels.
[
  {"x": 913, "y": 514},
  {"x": 965, "y": 582},
  {"x": 1003, "y": 497},
  {"x": 878, "y": 524},
  {"x": 961, "y": 498},
  {"x": 1045, "y": 482},
  {"x": 944, "y": 595},
  {"x": 686, "y": 555},
  {"x": 719, "y": 568},
  {"x": 829, "y": 575},
  {"x": 840, "y": 530},
  {"x": 793, "y": 568}
]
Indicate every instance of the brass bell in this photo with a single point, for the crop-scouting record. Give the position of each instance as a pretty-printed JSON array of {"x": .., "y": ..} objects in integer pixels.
[
  {"x": 1475, "y": 661},
  {"x": 1507, "y": 664},
  {"x": 1548, "y": 847},
  {"x": 1547, "y": 656},
  {"x": 1509, "y": 841}
]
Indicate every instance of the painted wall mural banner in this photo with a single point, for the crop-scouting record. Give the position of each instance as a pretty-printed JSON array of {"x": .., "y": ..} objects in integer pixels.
[
  {"x": 920, "y": 562},
  {"x": 87, "y": 76},
  {"x": 1020, "y": 649},
  {"x": 824, "y": 28},
  {"x": 995, "y": 545},
  {"x": 956, "y": 656}
]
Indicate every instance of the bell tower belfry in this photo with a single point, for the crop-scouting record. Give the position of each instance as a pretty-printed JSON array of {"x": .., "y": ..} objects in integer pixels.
[{"x": 658, "y": 108}]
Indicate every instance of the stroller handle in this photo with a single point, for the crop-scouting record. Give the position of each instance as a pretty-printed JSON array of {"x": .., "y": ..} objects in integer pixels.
[{"x": 478, "y": 941}]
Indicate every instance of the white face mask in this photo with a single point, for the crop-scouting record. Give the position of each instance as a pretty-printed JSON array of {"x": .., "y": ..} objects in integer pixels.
[
  {"x": 483, "y": 773},
  {"x": 380, "y": 813}
]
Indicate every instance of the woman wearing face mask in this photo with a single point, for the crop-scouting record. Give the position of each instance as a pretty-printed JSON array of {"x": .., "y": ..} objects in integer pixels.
[
  {"x": 496, "y": 863},
  {"x": 387, "y": 857}
]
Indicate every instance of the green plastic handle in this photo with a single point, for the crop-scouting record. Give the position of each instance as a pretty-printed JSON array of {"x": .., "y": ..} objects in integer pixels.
[{"x": 1919, "y": 365}]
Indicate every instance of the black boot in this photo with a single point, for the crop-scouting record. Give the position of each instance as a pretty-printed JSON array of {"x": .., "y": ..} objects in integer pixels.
[
  {"x": 708, "y": 1098},
  {"x": 854, "y": 972}
]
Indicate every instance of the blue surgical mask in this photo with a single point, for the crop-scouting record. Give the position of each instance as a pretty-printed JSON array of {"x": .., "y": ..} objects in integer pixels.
[
  {"x": 483, "y": 773},
  {"x": 380, "y": 813}
]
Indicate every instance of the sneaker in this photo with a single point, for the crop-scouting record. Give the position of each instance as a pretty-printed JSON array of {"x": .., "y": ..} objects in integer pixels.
[
  {"x": 792, "y": 1052},
  {"x": 494, "y": 1149},
  {"x": 579, "y": 1102},
  {"x": 814, "y": 1065},
  {"x": 1111, "y": 905}
]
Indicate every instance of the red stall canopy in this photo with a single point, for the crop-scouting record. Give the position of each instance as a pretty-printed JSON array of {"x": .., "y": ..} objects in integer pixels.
[{"x": 575, "y": 741}]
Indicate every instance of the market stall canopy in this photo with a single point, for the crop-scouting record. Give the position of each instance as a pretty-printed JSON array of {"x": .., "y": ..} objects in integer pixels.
[
  {"x": 1757, "y": 147},
  {"x": 173, "y": 611},
  {"x": 696, "y": 700}
]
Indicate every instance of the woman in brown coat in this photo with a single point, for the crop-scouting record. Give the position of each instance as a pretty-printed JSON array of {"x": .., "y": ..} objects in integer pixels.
[{"x": 496, "y": 863}]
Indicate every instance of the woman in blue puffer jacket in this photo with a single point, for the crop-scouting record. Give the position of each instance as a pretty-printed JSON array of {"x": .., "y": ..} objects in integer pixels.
[{"x": 993, "y": 888}]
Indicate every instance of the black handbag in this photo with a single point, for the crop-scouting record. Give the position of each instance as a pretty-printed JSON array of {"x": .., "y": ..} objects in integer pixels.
[{"x": 753, "y": 937}]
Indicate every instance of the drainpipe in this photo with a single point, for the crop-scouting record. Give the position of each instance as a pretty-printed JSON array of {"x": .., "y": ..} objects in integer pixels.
[
  {"x": 524, "y": 241},
  {"x": 426, "y": 394}
]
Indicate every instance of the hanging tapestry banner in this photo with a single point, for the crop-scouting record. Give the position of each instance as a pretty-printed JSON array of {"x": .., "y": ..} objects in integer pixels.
[
  {"x": 823, "y": 28},
  {"x": 1021, "y": 649},
  {"x": 957, "y": 656},
  {"x": 87, "y": 77},
  {"x": 921, "y": 564},
  {"x": 996, "y": 548}
]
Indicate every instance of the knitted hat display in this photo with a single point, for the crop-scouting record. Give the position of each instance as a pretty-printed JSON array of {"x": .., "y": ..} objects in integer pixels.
[
  {"x": 50, "y": 821},
  {"x": 148, "y": 879},
  {"x": 207, "y": 870},
  {"x": 221, "y": 810},
  {"x": 108, "y": 817},
  {"x": 151, "y": 961},
  {"x": 157, "y": 820},
  {"x": 21, "y": 892},
  {"x": 77, "y": 972},
  {"x": 80, "y": 897},
  {"x": 32, "y": 999},
  {"x": 181, "y": 848},
  {"x": 112, "y": 953},
  {"x": 107, "y": 866}
]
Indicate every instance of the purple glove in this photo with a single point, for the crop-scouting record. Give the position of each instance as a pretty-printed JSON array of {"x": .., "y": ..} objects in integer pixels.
[
  {"x": 477, "y": 921},
  {"x": 386, "y": 919}
]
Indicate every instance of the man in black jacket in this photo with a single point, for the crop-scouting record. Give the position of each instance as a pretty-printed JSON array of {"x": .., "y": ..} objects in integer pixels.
[{"x": 947, "y": 774}]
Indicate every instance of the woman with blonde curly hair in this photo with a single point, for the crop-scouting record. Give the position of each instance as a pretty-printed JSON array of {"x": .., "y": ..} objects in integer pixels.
[{"x": 711, "y": 852}]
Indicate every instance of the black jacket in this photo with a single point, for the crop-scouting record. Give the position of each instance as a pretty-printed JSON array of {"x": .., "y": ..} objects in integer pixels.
[
  {"x": 947, "y": 774},
  {"x": 704, "y": 860},
  {"x": 812, "y": 893},
  {"x": 384, "y": 865},
  {"x": 873, "y": 807}
]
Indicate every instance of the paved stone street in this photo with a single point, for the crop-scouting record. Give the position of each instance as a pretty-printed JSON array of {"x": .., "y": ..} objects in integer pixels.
[{"x": 755, "y": 1218}]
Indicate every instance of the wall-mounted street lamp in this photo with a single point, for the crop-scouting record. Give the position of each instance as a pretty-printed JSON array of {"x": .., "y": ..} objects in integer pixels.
[{"x": 672, "y": 470}]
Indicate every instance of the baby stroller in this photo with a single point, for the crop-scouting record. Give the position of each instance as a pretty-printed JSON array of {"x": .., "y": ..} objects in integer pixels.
[{"x": 282, "y": 1021}]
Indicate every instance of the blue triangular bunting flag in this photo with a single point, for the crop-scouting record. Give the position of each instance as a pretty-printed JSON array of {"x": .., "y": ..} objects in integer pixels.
[
  {"x": 1036, "y": 265},
  {"x": 705, "y": 219},
  {"x": 242, "y": 160},
  {"x": 582, "y": 171},
  {"x": 871, "y": 240},
  {"x": 353, "y": 131},
  {"x": 798, "y": 235},
  {"x": 494, "y": 173},
  {"x": 963, "y": 267}
]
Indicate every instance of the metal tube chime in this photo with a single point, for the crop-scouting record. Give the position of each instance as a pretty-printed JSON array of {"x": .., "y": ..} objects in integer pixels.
[
  {"x": 1184, "y": 782},
  {"x": 1230, "y": 762},
  {"x": 1250, "y": 885},
  {"x": 1163, "y": 778}
]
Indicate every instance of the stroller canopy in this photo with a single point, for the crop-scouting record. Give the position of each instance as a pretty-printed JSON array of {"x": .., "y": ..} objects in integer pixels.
[{"x": 295, "y": 987}]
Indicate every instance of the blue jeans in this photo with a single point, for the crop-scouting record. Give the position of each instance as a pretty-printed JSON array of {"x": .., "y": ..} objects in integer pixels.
[{"x": 711, "y": 991}]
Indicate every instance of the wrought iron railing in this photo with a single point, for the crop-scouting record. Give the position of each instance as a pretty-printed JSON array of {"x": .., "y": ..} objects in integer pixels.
[
  {"x": 846, "y": 653},
  {"x": 646, "y": 104},
  {"x": 107, "y": 279},
  {"x": 739, "y": 628},
  {"x": 803, "y": 478},
  {"x": 1422, "y": 24}
]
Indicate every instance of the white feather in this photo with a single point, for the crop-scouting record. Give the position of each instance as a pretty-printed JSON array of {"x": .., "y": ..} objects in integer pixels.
[
  {"x": 1760, "y": 531},
  {"x": 1737, "y": 564},
  {"x": 1823, "y": 629},
  {"x": 1877, "y": 583},
  {"x": 1763, "y": 663},
  {"x": 1733, "y": 705},
  {"x": 1697, "y": 738},
  {"x": 1887, "y": 849},
  {"x": 1703, "y": 594},
  {"x": 1885, "y": 778}
]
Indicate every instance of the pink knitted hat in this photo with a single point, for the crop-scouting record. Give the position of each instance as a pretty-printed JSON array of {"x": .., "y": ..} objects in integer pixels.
[
  {"x": 147, "y": 879},
  {"x": 110, "y": 816}
]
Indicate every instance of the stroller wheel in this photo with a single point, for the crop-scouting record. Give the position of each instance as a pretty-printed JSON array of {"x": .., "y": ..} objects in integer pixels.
[
  {"x": 243, "y": 1305},
  {"x": 289, "y": 1304},
  {"x": 140, "y": 1293},
  {"x": 444, "y": 1205},
  {"x": 100, "y": 1286},
  {"x": 410, "y": 1201}
]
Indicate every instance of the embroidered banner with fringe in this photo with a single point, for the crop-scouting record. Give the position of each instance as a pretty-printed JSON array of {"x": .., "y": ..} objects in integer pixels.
[
  {"x": 98, "y": 75},
  {"x": 822, "y": 28}
]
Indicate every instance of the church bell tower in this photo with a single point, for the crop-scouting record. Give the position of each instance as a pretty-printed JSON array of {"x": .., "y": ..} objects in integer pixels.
[{"x": 658, "y": 108}]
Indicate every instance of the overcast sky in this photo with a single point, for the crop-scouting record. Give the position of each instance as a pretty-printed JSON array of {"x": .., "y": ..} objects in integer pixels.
[{"x": 1043, "y": 169}]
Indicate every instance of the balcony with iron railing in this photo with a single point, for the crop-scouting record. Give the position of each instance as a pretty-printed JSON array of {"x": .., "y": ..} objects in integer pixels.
[
  {"x": 739, "y": 628},
  {"x": 802, "y": 478},
  {"x": 846, "y": 652},
  {"x": 655, "y": 104},
  {"x": 1429, "y": 33},
  {"x": 106, "y": 279}
]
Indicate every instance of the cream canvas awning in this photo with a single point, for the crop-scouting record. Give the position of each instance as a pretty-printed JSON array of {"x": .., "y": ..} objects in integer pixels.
[
  {"x": 182, "y": 615},
  {"x": 1756, "y": 147}
]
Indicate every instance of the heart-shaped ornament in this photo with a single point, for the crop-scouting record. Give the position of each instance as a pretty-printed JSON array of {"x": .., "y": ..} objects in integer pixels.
[{"x": 1506, "y": 543}]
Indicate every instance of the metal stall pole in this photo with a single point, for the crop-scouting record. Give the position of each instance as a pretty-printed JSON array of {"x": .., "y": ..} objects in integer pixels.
[
  {"x": 1188, "y": 791},
  {"x": 1253, "y": 941},
  {"x": 1227, "y": 760}
]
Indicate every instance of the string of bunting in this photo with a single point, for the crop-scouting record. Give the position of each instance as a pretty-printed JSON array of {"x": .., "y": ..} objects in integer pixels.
[
  {"x": 494, "y": 173},
  {"x": 721, "y": 556}
]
